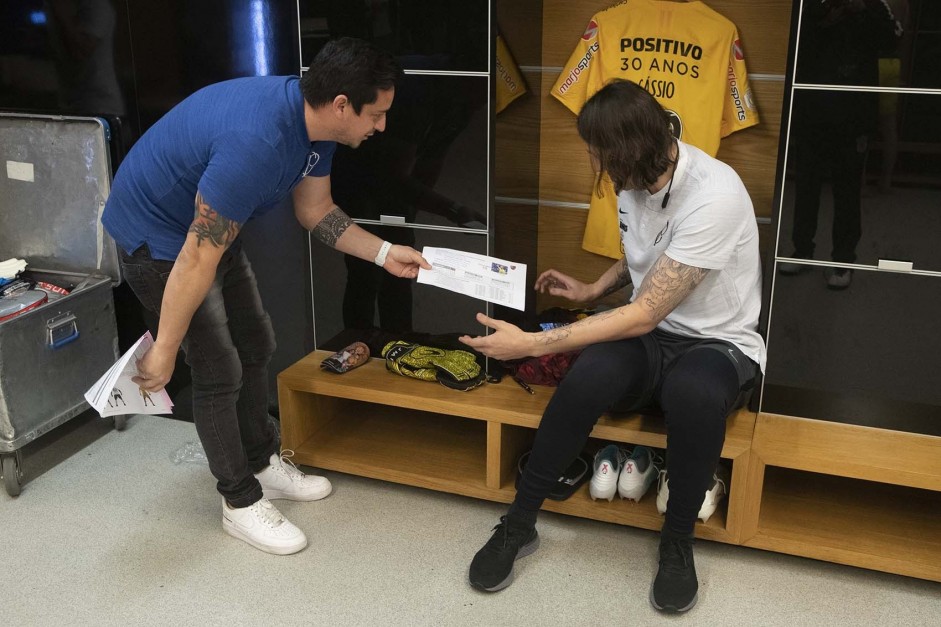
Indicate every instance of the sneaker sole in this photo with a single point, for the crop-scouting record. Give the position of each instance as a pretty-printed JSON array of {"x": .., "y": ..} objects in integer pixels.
[
  {"x": 234, "y": 531},
  {"x": 272, "y": 494},
  {"x": 669, "y": 608},
  {"x": 526, "y": 549}
]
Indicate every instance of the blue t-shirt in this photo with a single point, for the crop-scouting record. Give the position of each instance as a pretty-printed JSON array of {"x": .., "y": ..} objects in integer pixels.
[{"x": 242, "y": 143}]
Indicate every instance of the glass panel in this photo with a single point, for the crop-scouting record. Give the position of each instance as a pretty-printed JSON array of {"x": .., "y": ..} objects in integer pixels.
[
  {"x": 41, "y": 69},
  {"x": 424, "y": 34},
  {"x": 856, "y": 355},
  {"x": 863, "y": 179},
  {"x": 357, "y": 300},
  {"x": 430, "y": 165},
  {"x": 888, "y": 43},
  {"x": 181, "y": 46}
]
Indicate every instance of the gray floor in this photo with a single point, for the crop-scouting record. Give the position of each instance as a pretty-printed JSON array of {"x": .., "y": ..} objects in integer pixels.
[{"x": 110, "y": 531}]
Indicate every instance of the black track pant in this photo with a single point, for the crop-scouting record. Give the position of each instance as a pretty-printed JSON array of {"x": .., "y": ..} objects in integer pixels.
[{"x": 696, "y": 389}]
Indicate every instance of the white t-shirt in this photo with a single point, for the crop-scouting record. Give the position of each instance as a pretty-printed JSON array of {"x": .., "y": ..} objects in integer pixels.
[{"x": 709, "y": 222}]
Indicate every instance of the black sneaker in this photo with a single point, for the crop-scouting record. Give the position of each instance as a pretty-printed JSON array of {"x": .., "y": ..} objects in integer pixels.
[
  {"x": 492, "y": 567},
  {"x": 675, "y": 588}
]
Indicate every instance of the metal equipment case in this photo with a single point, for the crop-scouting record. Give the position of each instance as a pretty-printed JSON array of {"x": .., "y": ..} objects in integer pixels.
[{"x": 55, "y": 176}]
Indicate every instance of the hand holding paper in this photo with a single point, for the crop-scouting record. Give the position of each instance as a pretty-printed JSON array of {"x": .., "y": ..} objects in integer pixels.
[{"x": 115, "y": 392}]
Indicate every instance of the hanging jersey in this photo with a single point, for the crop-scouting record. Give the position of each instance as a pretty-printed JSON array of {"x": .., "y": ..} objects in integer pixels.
[
  {"x": 686, "y": 55},
  {"x": 510, "y": 85}
]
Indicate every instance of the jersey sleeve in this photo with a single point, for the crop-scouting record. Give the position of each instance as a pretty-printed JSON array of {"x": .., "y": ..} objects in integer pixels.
[
  {"x": 242, "y": 175},
  {"x": 583, "y": 72},
  {"x": 510, "y": 83},
  {"x": 739, "y": 110},
  {"x": 320, "y": 159},
  {"x": 707, "y": 237}
]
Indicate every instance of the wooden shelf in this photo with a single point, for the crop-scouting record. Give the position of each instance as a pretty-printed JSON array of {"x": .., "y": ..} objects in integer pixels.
[
  {"x": 798, "y": 486},
  {"x": 412, "y": 447},
  {"x": 850, "y": 521},
  {"x": 375, "y": 424},
  {"x": 854, "y": 495}
]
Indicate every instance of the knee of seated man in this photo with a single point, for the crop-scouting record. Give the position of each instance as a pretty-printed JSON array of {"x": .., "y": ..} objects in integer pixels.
[{"x": 694, "y": 398}]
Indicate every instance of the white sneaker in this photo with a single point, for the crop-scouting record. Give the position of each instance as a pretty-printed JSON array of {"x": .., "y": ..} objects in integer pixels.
[
  {"x": 282, "y": 480},
  {"x": 720, "y": 487},
  {"x": 263, "y": 526},
  {"x": 604, "y": 478},
  {"x": 638, "y": 474}
]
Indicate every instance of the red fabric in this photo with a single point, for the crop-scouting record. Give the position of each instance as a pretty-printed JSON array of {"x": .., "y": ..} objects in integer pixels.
[{"x": 548, "y": 369}]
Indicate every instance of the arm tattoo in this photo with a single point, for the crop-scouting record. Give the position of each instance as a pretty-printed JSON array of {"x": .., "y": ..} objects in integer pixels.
[
  {"x": 667, "y": 283},
  {"x": 553, "y": 335},
  {"x": 623, "y": 279},
  {"x": 332, "y": 226},
  {"x": 211, "y": 227}
]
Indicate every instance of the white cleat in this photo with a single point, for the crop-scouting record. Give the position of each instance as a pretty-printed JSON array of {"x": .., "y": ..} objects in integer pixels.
[{"x": 607, "y": 466}]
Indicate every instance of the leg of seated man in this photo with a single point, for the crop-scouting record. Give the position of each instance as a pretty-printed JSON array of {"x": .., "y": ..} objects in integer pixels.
[
  {"x": 697, "y": 394},
  {"x": 604, "y": 374}
]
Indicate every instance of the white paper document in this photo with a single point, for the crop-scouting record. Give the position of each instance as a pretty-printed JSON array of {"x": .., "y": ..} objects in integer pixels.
[
  {"x": 114, "y": 393},
  {"x": 494, "y": 280}
]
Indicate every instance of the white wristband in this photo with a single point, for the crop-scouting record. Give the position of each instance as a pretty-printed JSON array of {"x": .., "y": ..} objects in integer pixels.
[{"x": 383, "y": 251}]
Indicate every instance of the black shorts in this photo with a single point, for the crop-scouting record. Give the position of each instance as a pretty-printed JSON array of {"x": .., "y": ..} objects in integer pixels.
[{"x": 665, "y": 348}]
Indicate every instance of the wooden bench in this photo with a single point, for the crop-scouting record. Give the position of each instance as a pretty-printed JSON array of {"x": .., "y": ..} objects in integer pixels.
[{"x": 373, "y": 423}]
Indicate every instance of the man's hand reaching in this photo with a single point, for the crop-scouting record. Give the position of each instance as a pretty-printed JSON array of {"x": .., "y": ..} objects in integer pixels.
[
  {"x": 558, "y": 284},
  {"x": 404, "y": 262},
  {"x": 506, "y": 342}
]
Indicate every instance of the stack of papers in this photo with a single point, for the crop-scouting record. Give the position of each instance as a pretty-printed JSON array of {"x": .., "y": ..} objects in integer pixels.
[{"x": 114, "y": 393}]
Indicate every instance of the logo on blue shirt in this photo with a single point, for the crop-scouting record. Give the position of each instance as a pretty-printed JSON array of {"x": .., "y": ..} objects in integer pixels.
[{"x": 312, "y": 159}]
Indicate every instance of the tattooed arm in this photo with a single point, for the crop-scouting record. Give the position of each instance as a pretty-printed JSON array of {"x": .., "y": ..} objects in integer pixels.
[
  {"x": 615, "y": 278},
  {"x": 209, "y": 236},
  {"x": 666, "y": 285},
  {"x": 316, "y": 211}
]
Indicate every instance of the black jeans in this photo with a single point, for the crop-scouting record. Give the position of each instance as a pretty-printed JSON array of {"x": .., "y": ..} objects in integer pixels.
[
  {"x": 228, "y": 346},
  {"x": 696, "y": 387}
]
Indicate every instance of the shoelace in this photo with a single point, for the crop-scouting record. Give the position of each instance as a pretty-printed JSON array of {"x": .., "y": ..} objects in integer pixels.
[
  {"x": 503, "y": 528},
  {"x": 675, "y": 556},
  {"x": 290, "y": 469},
  {"x": 268, "y": 513}
]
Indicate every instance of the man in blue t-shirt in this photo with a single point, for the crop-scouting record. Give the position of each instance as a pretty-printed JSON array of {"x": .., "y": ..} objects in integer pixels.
[{"x": 227, "y": 153}]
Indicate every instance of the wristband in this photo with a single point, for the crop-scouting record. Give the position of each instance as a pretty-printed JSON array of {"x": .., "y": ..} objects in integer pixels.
[{"x": 383, "y": 251}]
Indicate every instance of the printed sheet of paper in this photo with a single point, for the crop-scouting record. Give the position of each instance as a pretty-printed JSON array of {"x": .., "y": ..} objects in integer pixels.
[
  {"x": 114, "y": 393},
  {"x": 494, "y": 280}
]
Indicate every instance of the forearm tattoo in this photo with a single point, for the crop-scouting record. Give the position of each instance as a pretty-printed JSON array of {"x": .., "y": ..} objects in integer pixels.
[
  {"x": 552, "y": 336},
  {"x": 666, "y": 285},
  {"x": 211, "y": 227},
  {"x": 332, "y": 226},
  {"x": 622, "y": 279}
]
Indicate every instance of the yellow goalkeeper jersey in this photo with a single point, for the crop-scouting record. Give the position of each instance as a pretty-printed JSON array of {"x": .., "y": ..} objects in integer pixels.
[{"x": 687, "y": 56}]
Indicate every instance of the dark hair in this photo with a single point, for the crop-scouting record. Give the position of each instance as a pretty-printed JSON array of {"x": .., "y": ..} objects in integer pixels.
[
  {"x": 352, "y": 67},
  {"x": 630, "y": 133}
]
